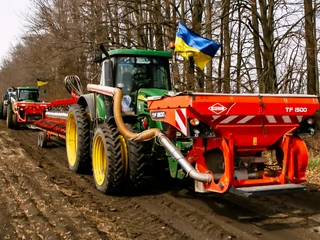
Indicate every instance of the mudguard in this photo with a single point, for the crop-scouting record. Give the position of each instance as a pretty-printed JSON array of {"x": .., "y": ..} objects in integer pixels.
[{"x": 96, "y": 108}]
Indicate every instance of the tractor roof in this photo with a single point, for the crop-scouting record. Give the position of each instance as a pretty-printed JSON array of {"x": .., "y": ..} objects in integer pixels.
[
  {"x": 139, "y": 52},
  {"x": 27, "y": 88}
]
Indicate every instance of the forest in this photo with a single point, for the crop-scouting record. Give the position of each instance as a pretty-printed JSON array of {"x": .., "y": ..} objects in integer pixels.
[{"x": 267, "y": 46}]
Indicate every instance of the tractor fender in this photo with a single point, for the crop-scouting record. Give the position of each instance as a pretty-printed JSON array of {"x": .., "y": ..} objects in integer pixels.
[
  {"x": 94, "y": 103},
  {"x": 87, "y": 100}
]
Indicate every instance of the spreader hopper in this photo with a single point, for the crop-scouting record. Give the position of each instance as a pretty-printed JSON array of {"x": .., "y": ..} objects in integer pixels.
[{"x": 231, "y": 134}]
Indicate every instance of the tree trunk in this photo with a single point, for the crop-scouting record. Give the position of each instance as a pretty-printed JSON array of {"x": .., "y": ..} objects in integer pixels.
[
  {"x": 226, "y": 46},
  {"x": 312, "y": 81},
  {"x": 256, "y": 44}
]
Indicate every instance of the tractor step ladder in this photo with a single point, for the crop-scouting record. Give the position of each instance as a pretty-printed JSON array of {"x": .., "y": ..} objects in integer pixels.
[{"x": 258, "y": 191}]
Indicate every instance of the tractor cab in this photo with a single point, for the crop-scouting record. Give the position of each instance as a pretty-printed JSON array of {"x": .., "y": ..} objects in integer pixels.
[
  {"x": 133, "y": 73},
  {"x": 133, "y": 70},
  {"x": 28, "y": 94},
  {"x": 9, "y": 92}
]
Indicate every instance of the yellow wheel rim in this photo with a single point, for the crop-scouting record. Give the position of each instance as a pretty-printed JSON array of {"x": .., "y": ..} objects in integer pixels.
[
  {"x": 124, "y": 154},
  {"x": 99, "y": 160},
  {"x": 71, "y": 139}
]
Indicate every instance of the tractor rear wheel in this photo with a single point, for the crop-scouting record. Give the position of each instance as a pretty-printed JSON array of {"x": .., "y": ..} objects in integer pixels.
[
  {"x": 10, "y": 123},
  {"x": 107, "y": 163},
  {"x": 134, "y": 160},
  {"x": 42, "y": 139},
  {"x": 78, "y": 139}
]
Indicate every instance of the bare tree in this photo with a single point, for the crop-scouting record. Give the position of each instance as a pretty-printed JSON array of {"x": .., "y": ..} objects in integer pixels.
[
  {"x": 226, "y": 46},
  {"x": 264, "y": 48},
  {"x": 311, "y": 46}
]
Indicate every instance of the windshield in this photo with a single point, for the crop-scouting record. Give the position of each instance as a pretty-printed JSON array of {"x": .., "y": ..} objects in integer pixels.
[
  {"x": 133, "y": 73},
  {"x": 28, "y": 95}
]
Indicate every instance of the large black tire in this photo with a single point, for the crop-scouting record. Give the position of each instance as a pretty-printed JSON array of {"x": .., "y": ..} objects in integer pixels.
[
  {"x": 78, "y": 139},
  {"x": 16, "y": 124},
  {"x": 107, "y": 163},
  {"x": 136, "y": 162},
  {"x": 1, "y": 110},
  {"x": 42, "y": 139},
  {"x": 5, "y": 111},
  {"x": 10, "y": 123}
]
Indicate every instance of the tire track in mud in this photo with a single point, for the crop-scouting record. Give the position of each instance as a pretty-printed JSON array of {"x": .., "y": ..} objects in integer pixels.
[
  {"x": 142, "y": 210},
  {"x": 45, "y": 212},
  {"x": 272, "y": 217},
  {"x": 133, "y": 217},
  {"x": 284, "y": 214},
  {"x": 106, "y": 213}
]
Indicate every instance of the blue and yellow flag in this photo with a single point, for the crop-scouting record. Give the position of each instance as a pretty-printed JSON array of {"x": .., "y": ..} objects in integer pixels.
[
  {"x": 41, "y": 82},
  {"x": 188, "y": 44}
]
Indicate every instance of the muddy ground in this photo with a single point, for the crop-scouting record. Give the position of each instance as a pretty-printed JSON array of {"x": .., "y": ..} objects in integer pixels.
[{"x": 42, "y": 199}]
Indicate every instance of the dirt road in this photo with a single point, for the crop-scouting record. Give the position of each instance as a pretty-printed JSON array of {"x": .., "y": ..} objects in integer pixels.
[{"x": 42, "y": 199}]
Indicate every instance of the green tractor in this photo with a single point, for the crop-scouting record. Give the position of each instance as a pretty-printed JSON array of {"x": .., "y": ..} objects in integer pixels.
[
  {"x": 93, "y": 141},
  {"x": 5, "y": 101},
  {"x": 24, "y": 107}
]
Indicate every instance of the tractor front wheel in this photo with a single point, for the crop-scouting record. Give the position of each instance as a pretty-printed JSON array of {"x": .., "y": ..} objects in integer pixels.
[
  {"x": 10, "y": 123},
  {"x": 1, "y": 110},
  {"x": 78, "y": 139},
  {"x": 4, "y": 113},
  {"x": 16, "y": 124}
]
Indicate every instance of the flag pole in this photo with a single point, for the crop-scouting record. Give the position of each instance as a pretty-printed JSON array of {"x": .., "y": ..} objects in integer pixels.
[{"x": 190, "y": 77}]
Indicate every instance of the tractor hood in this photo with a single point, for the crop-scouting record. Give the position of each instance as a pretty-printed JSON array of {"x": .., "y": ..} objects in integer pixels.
[
  {"x": 143, "y": 94},
  {"x": 151, "y": 92}
]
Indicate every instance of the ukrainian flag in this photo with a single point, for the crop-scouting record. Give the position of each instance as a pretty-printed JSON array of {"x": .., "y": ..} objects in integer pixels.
[
  {"x": 41, "y": 82},
  {"x": 189, "y": 44}
]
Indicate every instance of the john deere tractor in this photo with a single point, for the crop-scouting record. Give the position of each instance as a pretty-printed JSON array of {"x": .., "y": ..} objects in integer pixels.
[{"x": 93, "y": 141}]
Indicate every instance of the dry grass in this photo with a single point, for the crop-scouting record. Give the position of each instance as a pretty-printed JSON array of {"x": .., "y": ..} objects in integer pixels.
[
  {"x": 313, "y": 179},
  {"x": 313, "y": 171}
]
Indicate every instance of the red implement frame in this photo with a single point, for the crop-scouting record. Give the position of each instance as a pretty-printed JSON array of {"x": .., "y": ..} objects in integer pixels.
[
  {"x": 30, "y": 112},
  {"x": 244, "y": 126},
  {"x": 56, "y": 126}
]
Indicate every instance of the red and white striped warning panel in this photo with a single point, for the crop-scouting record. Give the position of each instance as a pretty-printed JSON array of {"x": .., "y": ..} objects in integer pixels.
[{"x": 181, "y": 120}]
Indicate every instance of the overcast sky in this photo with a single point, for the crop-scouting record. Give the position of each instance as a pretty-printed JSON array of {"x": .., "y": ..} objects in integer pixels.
[{"x": 11, "y": 23}]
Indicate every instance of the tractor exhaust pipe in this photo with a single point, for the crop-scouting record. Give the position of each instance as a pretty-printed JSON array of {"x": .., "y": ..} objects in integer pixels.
[{"x": 146, "y": 135}]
